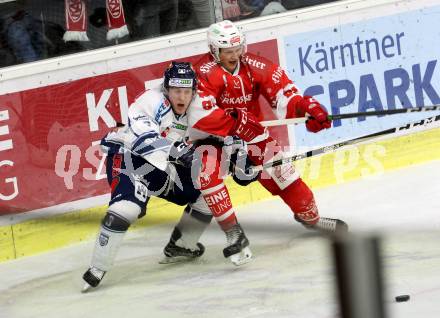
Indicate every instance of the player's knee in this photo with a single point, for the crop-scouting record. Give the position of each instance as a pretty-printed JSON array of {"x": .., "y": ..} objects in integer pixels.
[
  {"x": 202, "y": 215},
  {"x": 125, "y": 210},
  {"x": 115, "y": 222},
  {"x": 200, "y": 205}
]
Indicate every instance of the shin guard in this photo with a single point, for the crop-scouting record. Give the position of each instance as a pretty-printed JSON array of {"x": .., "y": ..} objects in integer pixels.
[{"x": 299, "y": 198}]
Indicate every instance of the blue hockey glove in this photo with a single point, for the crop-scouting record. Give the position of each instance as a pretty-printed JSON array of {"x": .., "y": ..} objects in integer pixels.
[
  {"x": 241, "y": 168},
  {"x": 182, "y": 154}
]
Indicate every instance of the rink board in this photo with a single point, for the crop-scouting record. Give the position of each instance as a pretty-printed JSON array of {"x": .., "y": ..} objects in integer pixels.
[{"x": 365, "y": 161}]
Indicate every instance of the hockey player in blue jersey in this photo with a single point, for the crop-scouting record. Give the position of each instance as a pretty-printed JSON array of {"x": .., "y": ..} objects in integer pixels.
[{"x": 149, "y": 157}]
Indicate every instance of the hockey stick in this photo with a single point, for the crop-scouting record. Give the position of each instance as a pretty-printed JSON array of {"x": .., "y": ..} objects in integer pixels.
[
  {"x": 357, "y": 140},
  {"x": 336, "y": 146},
  {"x": 279, "y": 122}
]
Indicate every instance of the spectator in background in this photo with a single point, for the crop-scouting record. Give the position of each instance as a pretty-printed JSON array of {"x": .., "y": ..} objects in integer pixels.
[
  {"x": 203, "y": 12},
  {"x": 231, "y": 9},
  {"x": 241, "y": 9},
  {"x": 195, "y": 14},
  {"x": 296, "y": 4},
  {"x": 6, "y": 56},
  {"x": 24, "y": 36},
  {"x": 149, "y": 18},
  {"x": 261, "y": 7},
  {"x": 29, "y": 33},
  {"x": 273, "y": 7},
  {"x": 251, "y": 8},
  {"x": 245, "y": 9}
]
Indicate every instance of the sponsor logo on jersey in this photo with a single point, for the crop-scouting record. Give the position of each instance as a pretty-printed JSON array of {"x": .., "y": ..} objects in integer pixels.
[
  {"x": 163, "y": 108},
  {"x": 219, "y": 202},
  {"x": 276, "y": 76},
  {"x": 205, "y": 179},
  {"x": 140, "y": 117},
  {"x": 284, "y": 172},
  {"x": 205, "y": 68},
  {"x": 237, "y": 84},
  {"x": 235, "y": 100},
  {"x": 179, "y": 126},
  {"x": 255, "y": 63},
  {"x": 103, "y": 239}
]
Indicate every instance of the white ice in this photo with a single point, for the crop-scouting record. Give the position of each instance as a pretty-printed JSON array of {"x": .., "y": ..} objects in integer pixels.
[{"x": 291, "y": 275}]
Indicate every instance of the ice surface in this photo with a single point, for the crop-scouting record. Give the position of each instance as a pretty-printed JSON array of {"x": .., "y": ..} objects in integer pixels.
[{"x": 291, "y": 275}]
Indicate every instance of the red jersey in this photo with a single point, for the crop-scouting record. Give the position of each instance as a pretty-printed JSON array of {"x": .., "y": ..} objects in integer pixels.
[{"x": 220, "y": 91}]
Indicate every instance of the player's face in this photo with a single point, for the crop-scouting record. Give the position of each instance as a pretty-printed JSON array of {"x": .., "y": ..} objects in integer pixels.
[
  {"x": 230, "y": 57},
  {"x": 180, "y": 98}
]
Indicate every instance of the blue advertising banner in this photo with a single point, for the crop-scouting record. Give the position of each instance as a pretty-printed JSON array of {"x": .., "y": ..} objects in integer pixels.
[{"x": 383, "y": 63}]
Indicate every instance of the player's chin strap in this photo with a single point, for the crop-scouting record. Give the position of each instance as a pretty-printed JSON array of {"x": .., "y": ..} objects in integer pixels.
[
  {"x": 358, "y": 140},
  {"x": 300, "y": 120}
]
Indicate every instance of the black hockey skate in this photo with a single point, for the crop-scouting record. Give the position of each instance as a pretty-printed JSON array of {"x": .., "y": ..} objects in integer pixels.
[
  {"x": 237, "y": 248},
  {"x": 92, "y": 277},
  {"x": 326, "y": 225},
  {"x": 175, "y": 253}
]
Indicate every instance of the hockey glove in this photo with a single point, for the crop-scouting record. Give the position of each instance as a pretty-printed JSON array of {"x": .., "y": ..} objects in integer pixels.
[
  {"x": 241, "y": 168},
  {"x": 246, "y": 126},
  {"x": 318, "y": 119},
  {"x": 182, "y": 154}
]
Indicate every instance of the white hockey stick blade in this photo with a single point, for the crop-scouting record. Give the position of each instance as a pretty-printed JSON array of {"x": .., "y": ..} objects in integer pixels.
[
  {"x": 280, "y": 122},
  {"x": 245, "y": 256}
]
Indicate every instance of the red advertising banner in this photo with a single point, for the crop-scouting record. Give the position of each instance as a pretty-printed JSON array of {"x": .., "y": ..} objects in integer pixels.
[{"x": 48, "y": 136}]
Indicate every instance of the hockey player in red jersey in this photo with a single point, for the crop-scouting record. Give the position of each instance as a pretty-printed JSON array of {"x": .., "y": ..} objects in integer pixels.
[{"x": 230, "y": 84}]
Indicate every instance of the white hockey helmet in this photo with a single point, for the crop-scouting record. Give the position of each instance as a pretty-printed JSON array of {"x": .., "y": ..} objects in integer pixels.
[{"x": 222, "y": 35}]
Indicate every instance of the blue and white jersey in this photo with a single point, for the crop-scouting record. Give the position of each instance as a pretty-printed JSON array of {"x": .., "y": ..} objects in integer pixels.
[{"x": 151, "y": 129}]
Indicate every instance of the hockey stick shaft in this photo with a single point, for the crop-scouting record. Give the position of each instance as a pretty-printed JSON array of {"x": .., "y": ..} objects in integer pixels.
[
  {"x": 358, "y": 140},
  {"x": 300, "y": 120},
  {"x": 386, "y": 112},
  {"x": 280, "y": 122}
]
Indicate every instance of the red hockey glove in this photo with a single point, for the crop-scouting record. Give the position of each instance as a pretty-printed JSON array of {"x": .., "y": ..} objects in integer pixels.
[
  {"x": 246, "y": 126},
  {"x": 318, "y": 115}
]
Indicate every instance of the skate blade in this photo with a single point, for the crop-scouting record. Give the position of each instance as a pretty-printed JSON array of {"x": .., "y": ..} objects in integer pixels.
[
  {"x": 177, "y": 259},
  {"x": 245, "y": 256}
]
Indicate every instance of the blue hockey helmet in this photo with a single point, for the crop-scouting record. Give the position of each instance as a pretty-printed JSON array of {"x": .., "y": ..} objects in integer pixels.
[{"x": 180, "y": 74}]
